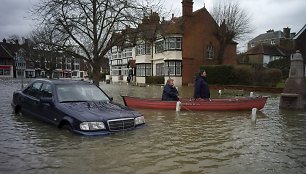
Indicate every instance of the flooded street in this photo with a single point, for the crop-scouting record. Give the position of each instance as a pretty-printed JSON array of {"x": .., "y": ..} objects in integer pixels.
[{"x": 171, "y": 142}]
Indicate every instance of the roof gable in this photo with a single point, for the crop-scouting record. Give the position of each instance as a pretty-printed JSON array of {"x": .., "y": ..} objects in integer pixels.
[{"x": 299, "y": 33}]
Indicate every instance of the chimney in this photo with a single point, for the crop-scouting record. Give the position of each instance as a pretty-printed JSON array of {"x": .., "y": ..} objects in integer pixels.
[
  {"x": 4, "y": 41},
  {"x": 286, "y": 32},
  {"x": 187, "y": 7}
]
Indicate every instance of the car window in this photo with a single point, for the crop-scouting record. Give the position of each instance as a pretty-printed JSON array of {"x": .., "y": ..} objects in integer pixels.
[
  {"x": 70, "y": 93},
  {"x": 34, "y": 89},
  {"x": 46, "y": 90}
]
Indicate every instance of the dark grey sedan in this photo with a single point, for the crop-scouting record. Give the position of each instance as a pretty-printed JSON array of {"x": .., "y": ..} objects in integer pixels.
[{"x": 79, "y": 106}]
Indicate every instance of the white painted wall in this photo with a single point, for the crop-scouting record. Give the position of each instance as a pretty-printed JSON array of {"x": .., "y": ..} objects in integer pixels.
[
  {"x": 140, "y": 79},
  {"x": 143, "y": 59},
  {"x": 168, "y": 55},
  {"x": 177, "y": 80}
]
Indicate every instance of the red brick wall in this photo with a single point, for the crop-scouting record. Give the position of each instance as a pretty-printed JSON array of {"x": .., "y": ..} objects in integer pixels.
[{"x": 199, "y": 32}]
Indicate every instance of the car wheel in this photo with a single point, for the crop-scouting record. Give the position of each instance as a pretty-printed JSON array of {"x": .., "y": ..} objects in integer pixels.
[
  {"x": 18, "y": 111},
  {"x": 68, "y": 127}
]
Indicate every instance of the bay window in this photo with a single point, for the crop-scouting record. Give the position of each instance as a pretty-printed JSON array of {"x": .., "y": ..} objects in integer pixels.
[
  {"x": 143, "y": 69},
  {"x": 173, "y": 68}
]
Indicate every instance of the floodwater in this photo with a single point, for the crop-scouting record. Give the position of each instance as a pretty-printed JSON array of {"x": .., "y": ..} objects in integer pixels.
[{"x": 171, "y": 142}]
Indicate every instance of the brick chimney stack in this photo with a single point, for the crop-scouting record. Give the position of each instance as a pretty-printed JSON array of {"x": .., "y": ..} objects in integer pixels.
[
  {"x": 286, "y": 32},
  {"x": 187, "y": 7}
]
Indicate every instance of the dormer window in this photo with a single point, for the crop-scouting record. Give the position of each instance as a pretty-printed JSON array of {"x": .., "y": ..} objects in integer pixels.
[
  {"x": 252, "y": 45},
  {"x": 272, "y": 42}
]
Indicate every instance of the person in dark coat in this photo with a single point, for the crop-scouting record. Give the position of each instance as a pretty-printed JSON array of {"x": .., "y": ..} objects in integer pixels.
[
  {"x": 201, "y": 89},
  {"x": 170, "y": 93}
]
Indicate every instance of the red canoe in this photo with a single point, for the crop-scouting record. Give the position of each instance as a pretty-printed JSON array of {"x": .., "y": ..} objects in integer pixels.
[{"x": 226, "y": 104}]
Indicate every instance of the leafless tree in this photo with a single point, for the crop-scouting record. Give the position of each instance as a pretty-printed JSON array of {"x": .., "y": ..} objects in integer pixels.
[
  {"x": 43, "y": 48},
  {"x": 234, "y": 24},
  {"x": 87, "y": 27}
]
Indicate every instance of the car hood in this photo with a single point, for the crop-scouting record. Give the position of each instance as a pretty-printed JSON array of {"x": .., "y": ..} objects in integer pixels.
[{"x": 98, "y": 111}]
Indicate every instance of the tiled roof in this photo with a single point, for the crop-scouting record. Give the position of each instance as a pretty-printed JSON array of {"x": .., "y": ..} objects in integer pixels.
[
  {"x": 268, "y": 36},
  {"x": 300, "y": 32},
  {"x": 5, "y": 50},
  {"x": 266, "y": 49}
]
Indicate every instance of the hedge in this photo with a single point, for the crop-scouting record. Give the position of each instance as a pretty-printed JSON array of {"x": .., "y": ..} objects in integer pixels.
[
  {"x": 242, "y": 75},
  {"x": 155, "y": 80}
]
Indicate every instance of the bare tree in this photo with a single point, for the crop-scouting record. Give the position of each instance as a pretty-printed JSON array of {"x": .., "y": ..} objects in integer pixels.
[
  {"x": 43, "y": 48},
  {"x": 87, "y": 27},
  {"x": 234, "y": 24}
]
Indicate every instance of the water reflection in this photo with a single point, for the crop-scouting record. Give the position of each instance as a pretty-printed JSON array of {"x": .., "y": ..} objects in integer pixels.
[{"x": 171, "y": 142}]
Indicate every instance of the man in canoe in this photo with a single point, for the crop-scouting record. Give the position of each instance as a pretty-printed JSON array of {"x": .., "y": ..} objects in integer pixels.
[
  {"x": 201, "y": 89},
  {"x": 170, "y": 93}
]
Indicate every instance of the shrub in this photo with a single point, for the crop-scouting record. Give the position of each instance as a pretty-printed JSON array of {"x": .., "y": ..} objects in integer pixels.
[
  {"x": 271, "y": 77},
  {"x": 155, "y": 80},
  {"x": 219, "y": 74},
  {"x": 283, "y": 65},
  {"x": 242, "y": 75}
]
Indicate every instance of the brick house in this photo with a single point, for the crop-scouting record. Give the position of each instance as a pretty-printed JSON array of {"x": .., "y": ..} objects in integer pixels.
[
  {"x": 175, "y": 48},
  {"x": 19, "y": 60}
]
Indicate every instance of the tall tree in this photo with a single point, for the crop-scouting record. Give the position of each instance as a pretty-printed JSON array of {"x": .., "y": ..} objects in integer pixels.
[
  {"x": 234, "y": 24},
  {"x": 88, "y": 26}
]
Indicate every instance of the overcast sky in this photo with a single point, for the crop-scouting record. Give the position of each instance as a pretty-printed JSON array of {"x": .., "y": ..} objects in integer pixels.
[{"x": 15, "y": 18}]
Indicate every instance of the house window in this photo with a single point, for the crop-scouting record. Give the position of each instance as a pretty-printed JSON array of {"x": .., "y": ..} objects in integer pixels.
[
  {"x": 173, "y": 68},
  {"x": 210, "y": 51},
  {"x": 173, "y": 43},
  {"x": 272, "y": 42},
  {"x": 252, "y": 45},
  {"x": 159, "y": 46},
  {"x": 143, "y": 49},
  {"x": 160, "y": 69},
  {"x": 127, "y": 52},
  {"x": 5, "y": 72},
  {"x": 76, "y": 67},
  {"x": 116, "y": 70},
  {"x": 143, "y": 69}
]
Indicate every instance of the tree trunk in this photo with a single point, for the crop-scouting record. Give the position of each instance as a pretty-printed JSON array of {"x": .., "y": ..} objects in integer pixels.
[{"x": 96, "y": 74}]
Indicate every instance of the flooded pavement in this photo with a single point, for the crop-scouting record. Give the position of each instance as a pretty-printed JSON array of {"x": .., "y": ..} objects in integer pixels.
[{"x": 171, "y": 142}]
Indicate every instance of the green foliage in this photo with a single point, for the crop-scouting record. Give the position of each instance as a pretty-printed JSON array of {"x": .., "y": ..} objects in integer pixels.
[
  {"x": 216, "y": 73},
  {"x": 242, "y": 75},
  {"x": 155, "y": 80},
  {"x": 283, "y": 65},
  {"x": 271, "y": 77}
]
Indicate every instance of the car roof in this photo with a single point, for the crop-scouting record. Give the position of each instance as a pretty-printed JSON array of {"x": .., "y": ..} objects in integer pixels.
[{"x": 63, "y": 81}]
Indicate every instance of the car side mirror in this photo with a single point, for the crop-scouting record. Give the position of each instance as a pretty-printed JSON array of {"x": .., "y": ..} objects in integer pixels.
[{"x": 46, "y": 100}]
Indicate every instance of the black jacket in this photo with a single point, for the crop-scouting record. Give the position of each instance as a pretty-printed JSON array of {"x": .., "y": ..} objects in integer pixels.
[
  {"x": 170, "y": 93},
  {"x": 201, "y": 89}
]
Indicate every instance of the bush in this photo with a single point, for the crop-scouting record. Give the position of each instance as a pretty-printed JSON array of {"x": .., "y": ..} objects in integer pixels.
[
  {"x": 216, "y": 74},
  {"x": 242, "y": 75},
  {"x": 283, "y": 65},
  {"x": 271, "y": 77},
  {"x": 155, "y": 80}
]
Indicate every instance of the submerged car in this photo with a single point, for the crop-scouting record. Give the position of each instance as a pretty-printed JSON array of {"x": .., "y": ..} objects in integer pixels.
[{"x": 78, "y": 106}]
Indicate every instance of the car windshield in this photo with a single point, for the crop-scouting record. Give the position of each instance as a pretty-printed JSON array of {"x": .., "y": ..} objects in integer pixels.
[{"x": 78, "y": 93}]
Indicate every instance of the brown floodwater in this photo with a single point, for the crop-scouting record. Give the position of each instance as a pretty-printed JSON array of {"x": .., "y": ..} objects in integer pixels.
[{"x": 171, "y": 142}]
